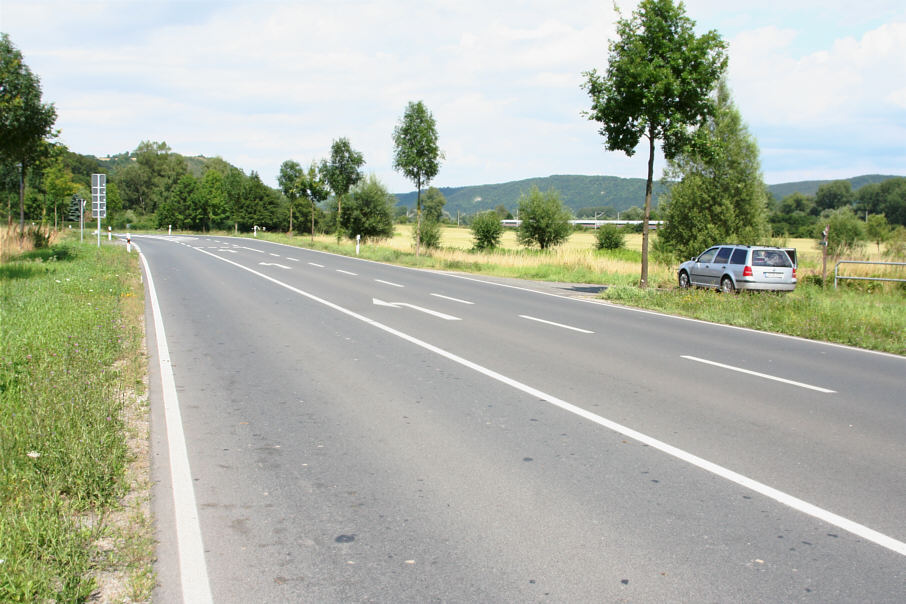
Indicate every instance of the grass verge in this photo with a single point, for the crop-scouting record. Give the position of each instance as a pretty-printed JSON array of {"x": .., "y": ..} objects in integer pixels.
[
  {"x": 72, "y": 424},
  {"x": 875, "y": 320}
]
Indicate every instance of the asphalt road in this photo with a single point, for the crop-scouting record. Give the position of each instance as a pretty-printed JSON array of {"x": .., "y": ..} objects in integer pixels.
[{"x": 358, "y": 432}]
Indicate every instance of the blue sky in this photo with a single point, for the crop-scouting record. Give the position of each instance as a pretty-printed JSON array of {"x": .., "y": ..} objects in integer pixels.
[{"x": 821, "y": 85}]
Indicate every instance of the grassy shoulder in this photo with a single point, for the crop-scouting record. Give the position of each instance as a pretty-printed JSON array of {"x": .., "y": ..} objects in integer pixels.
[
  {"x": 875, "y": 321},
  {"x": 73, "y": 484}
]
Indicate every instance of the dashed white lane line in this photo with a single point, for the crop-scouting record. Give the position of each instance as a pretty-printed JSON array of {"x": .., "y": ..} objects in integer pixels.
[
  {"x": 452, "y": 299},
  {"x": 293, "y": 259},
  {"x": 786, "y": 499},
  {"x": 339, "y": 270},
  {"x": 757, "y": 374},
  {"x": 275, "y": 255},
  {"x": 579, "y": 329},
  {"x": 389, "y": 283},
  {"x": 316, "y": 264},
  {"x": 251, "y": 249}
]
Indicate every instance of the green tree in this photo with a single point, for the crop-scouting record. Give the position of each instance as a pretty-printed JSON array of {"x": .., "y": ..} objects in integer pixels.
[
  {"x": 25, "y": 122},
  {"x": 59, "y": 184},
  {"x": 315, "y": 189},
  {"x": 433, "y": 205},
  {"x": 209, "y": 204},
  {"x": 657, "y": 86},
  {"x": 846, "y": 230},
  {"x": 893, "y": 204},
  {"x": 486, "y": 230},
  {"x": 833, "y": 195},
  {"x": 545, "y": 221},
  {"x": 503, "y": 213},
  {"x": 289, "y": 180},
  {"x": 369, "y": 210},
  {"x": 877, "y": 229},
  {"x": 718, "y": 196},
  {"x": 416, "y": 153},
  {"x": 342, "y": 171},
  {"x": 428, "y": 234}
]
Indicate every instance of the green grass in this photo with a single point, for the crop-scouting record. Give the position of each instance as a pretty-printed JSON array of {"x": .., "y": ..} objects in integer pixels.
[
  {"x": 875, "y": 320},
  {"x": 66, "y": 342}
]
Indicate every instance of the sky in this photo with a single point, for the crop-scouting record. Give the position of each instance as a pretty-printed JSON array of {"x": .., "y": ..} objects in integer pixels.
[{"x": 821, "y": 85}]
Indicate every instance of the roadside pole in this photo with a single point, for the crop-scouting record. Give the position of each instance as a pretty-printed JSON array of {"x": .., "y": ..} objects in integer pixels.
[{"x": 99, "y": 199}]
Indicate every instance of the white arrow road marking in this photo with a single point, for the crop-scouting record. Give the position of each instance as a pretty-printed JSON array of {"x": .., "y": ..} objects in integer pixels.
[
  {"x": 439, "y": 315},
  {"x": 388, "y": 283},
  {"x": 579, "y": 329},
  {"x": 273, "y": 264},
  {"x": 761, "y": 375},
  {"x": 223, "y": 249},
  {"x": 452, "y": 299}
]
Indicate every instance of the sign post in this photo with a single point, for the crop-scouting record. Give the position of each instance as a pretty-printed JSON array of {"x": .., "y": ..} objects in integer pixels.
[{"x": 99, "y": 199}]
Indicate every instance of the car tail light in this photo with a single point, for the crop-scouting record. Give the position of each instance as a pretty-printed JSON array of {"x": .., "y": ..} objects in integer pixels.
[
  {"x": 794, "y": 272},
  {"x": 747, "y": 272}
]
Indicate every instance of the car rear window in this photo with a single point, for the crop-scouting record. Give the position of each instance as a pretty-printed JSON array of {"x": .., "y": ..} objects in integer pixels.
[
  {"x": 739, "y": 256},
  {"x": 770, "y": 258}
]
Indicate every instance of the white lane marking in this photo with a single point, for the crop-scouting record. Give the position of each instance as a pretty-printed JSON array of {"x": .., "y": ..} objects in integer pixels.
[
  {"x": 428, "y": 311},
  {"x": 193, "y": 570},
  {"x": 226, "y": 249},
  {"x": 761, "y": 375},
  {"x": 389, "y": 283},
  {"x": 452, "y": 299},
  {"x": 339, "y": 270},
  {"x": 251, "y": 249},
  {"x": 293, "y": 259},
  {"x": 273, "y": 254},
  {"x": 579, "y": 329},
  {"x": 786, "y": 499},
  {"x": 274, "y": 264},
  {"x": 316, "y": 264}
]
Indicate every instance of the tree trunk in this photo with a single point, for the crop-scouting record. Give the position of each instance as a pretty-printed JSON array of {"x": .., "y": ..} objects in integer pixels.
[
  {"x": 643, "y": 281},
  {"x": 312, "y": 220},
  {"x": 22, "y": 197},
  {"x": 418, "y": 216}
]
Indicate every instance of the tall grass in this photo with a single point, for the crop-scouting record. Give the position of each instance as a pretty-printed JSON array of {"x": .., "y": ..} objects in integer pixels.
[
  {"x": 844, "y": 316},
  {"x": 67, "y": 317}
]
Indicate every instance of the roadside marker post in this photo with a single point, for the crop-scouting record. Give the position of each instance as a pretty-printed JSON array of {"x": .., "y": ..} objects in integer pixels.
[{"x": 99, "y": 201}]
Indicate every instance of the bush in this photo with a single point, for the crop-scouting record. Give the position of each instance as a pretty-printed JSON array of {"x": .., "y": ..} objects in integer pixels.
[
  {"x": 430, "y": 234},
  {"x": 545, "y": 221},
  {"x": 487, "y": 230},
  {"x": 609, "y": 237}
]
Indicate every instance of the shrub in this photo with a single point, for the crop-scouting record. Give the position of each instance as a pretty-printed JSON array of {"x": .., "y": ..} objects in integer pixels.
[
  {"x": 609, "y": 237},
  {"x": 545, "y": 221},
  {"x": 487, "y": 230},
  {"x": 430, "y": 234}
]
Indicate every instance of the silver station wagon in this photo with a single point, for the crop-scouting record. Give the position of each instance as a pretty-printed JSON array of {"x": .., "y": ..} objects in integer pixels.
[{"x": 732, "y": 267}]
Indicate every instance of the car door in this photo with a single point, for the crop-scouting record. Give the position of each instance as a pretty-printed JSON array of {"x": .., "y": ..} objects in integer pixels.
[
  {"x": 699, "y": 271},
  {"x": 717, "y": 268}
]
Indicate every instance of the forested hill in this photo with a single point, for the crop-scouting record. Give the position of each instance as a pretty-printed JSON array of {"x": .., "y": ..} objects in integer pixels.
[{"x": 591, "y": 191}]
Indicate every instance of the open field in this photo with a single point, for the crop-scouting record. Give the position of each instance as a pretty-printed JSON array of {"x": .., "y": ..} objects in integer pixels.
[{"x": 73, "y": 431}]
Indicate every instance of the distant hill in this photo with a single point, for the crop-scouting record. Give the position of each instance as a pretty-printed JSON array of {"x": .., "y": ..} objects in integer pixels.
[
  {"x": 576, "y": 192},
  {"x": 579, "y": 191},
  {"x": 810, "y": 187}
]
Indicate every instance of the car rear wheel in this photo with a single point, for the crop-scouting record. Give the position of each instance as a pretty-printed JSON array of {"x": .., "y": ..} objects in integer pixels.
[
  {"x": 726, "y": 285},
  {"x": 684, "y": 279}
]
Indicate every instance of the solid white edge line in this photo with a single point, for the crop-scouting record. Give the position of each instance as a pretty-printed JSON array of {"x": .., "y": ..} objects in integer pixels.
[
  {"x": 579, "y": 329},
  {"x": 193, "y": 571},
  {"x": 786, "y": 499},
  {"x": 389, "y": 283},
  {"x": 452, "y": 299},
  {"x": 757, "y": 374}
]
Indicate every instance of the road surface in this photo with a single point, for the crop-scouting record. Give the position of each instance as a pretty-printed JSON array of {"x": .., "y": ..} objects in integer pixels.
[{"x": 338, "y": 430}]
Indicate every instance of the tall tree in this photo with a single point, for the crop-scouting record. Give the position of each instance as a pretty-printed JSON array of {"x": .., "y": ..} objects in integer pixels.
[
  {"x": 434, "y": 204},
  {"x": 288, "y": 179},
  {"x": 342, "y": 171},
  {"x": 657, "y": 86},
  {"x": 25, "y": 122},
  {"x": 416, "y": 153},
  {"x": 315, "y": 189},
  {"x": 719, "y": 195},
  {"x": 833, "y": 195}
]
